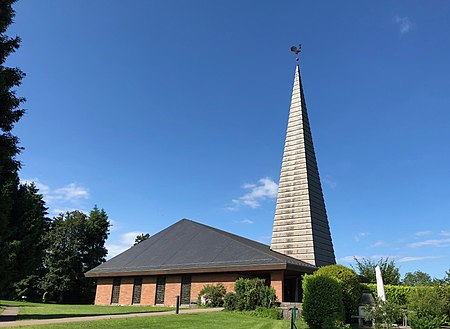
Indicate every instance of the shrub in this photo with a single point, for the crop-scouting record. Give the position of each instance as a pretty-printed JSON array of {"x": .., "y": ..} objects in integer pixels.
[
  {"x": 322, "y": 301},
  {"x": 394, "y": 294},
  {"x": 384, "y": 314},
  {"x": 428, "y": 306},
  {"x": 212, "y": 295},
  {"x": 229, "y": 301},
  {"x": 351, "y": 288},
  {"x": 251, "y": 293},
  {"x": 266, "y": 312}
]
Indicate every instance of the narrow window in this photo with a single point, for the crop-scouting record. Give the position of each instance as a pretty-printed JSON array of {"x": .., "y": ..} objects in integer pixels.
[
  {"x": 185, "y": 289},
  {"x": 115, "y": 291},
  {"x": 160, "y": 290},
  {"x": 137, "y": 288}
]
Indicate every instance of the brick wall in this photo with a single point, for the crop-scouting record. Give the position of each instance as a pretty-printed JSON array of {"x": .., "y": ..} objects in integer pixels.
[
  {"x": 173, "y": 289},
  {"x": 104, "y": 291},
  {"x": 276, "y": 281},
  {"x": 200, "y": 280},
  {"x": 148, "y": 290},
  {"x": 126, "y": 290}
]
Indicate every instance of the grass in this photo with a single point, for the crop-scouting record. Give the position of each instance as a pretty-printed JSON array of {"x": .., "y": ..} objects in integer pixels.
[
  {"x": 36, "y": 311},
  {"x": 186, "y": 321}
]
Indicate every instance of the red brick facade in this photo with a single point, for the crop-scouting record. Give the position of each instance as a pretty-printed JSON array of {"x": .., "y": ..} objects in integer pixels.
[{"x": 173, "y": 287}]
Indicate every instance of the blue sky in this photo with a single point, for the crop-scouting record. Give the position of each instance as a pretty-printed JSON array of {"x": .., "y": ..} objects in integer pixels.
[{"x": 162, "y": 110}]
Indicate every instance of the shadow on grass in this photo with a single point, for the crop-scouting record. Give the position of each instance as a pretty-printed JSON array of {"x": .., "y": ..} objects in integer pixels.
[{"x": 72, "y": 315}]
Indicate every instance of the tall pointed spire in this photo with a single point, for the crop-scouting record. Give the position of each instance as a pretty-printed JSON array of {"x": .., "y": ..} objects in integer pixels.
[{"x": 300, "y": 227}]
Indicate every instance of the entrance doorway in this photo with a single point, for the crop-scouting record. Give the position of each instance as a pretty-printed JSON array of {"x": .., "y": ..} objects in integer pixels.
[{"x": 293, "y": 289}]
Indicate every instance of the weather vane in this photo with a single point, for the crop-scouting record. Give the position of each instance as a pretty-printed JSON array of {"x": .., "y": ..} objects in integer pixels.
[{"x": 296, "y": 50}]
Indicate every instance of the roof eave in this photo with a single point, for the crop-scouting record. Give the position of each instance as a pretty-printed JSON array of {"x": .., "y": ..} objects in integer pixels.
[{"x": 93, "y": 274}]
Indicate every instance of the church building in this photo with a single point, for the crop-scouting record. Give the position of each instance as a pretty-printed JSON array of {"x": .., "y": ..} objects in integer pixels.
[{"x": 181, "y": 259}]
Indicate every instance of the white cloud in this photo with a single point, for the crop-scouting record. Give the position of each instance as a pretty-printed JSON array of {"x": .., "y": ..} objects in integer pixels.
[
  {"x": 404, "y": 24},
  {"x": 70, "y": 192},
  {"x": 247, "y": 221},
  {"x": 445, "y": 233},
  {"x": 379, "y": 243},
  {"x": 122, "y": 243},
  {"x": 414, "y": 259},
  {"x": 265, "y": 189},
  {"x": 328, "y": 181},
  {"x": 349, "y": 259},
  {"x": 129, "y": 237},
  {"x": 360, "y": 236},
  {"x": 432, "y": 243},
  {"x": 62, "y": 199},
  {"x": 422, "y": 233}
]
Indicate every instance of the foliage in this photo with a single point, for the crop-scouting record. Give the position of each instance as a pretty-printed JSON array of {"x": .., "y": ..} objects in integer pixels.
[
  {"x": 25, "y": 246},
  {"x": 429, "y": 307},
  {"x": 251, "y": 293},
  {"x": 351, "y": 288},
  {"x": 384, "y": 314},
  {"x": 212, "y": 295},
  {"x": 76, "y": 244},
  {"x": 229, "y": 301},
  {"x": 10, "y": 113},
  {"x": 394, "y": 294},
  {"x": 141, "y": 237},
  {"x": 418, "y": 278},
  {"x": 265, "y": 312},
  {"x": 389, "y": 271},
  {"x": 445, "y": 281},
  {"x": 322, "y": 301}
]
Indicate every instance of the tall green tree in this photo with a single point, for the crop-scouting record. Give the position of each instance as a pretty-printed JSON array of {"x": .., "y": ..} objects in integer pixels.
[
  {"x": 26, "y": 246},
  {"x": 76, "y": 244},
  {"x": 418, "y": 278},
  {"x": 389, "y": 271},
  {"x": 10, "y": 114}
]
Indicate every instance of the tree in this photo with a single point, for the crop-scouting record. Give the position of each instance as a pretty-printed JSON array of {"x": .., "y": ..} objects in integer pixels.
[
  {"x": 9, "y": 148},
  {"x": 26, "y": 246},
  {"x": 76, "y": 244},
  {"x": 141, "y": 237},
  {"x": 418, "y": 278},
  {"x": 389, "y": 271}
]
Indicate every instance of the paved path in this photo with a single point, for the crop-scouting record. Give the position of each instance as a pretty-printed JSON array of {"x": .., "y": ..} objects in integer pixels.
[
  {"x": 9, "y": 314},
  {"x": 100, "y": 317}
]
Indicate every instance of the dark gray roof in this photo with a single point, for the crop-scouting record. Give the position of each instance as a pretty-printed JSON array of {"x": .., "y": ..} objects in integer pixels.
[{"x": 188, "y": 247}]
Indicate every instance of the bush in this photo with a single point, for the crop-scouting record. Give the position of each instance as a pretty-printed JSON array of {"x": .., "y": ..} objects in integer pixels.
[
  {"x": 322, "y": 301},
  {"x": 384, "y": 314},
  {"x": 428, "y": 306},
  {"x": 229, "y": 301},
  {"x": 351, "y": 288},
  {"x": 265, "y": 312},
  {"x": 212, "y": 295},
  {"x": 394, "y": 294},
  {"x": 251, "y": 293}
]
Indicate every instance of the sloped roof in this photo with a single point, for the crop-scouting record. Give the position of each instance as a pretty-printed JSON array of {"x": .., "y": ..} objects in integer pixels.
[{"x": 191, "y": 247}]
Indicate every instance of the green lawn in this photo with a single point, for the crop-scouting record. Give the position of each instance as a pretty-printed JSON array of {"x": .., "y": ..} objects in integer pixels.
[
  {"x": 32, "y": 311},
  {"x": 229, "y": 320}
]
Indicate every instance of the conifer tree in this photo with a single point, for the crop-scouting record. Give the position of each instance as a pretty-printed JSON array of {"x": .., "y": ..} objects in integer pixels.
[{"x": 10, "y": 113}]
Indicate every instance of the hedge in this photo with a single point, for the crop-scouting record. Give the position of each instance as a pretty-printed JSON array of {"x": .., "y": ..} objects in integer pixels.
[
  {"x": 349, "y": 281},
  {"x": 394, "y": 294},
  {"x": 322, "y": 301}
]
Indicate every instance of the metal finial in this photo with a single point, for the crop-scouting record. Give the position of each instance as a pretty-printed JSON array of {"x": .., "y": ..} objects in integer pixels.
[{"x": 296, "y": 50}]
